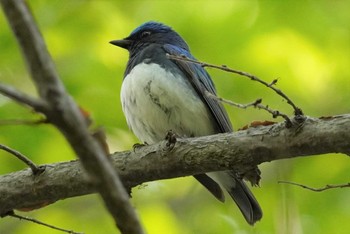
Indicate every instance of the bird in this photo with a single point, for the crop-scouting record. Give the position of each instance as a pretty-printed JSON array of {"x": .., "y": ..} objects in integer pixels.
[{"x": 159, "y": 94}]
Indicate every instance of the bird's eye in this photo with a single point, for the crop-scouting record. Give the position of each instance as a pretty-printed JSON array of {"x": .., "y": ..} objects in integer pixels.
[{"x": 145, "y": 34}]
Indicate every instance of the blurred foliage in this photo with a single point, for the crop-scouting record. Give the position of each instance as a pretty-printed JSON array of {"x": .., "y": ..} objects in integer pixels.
[{"x": 305, "y": 44}]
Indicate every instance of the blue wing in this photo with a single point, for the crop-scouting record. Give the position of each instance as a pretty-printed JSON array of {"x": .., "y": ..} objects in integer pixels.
[
  {"x": 201, "y": 82},
  {"x": 237, "y": 189}
]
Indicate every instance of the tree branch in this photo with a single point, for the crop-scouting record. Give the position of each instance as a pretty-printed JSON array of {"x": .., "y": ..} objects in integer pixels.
[
  {"x": 326, "y": 187},
  {"x": 239, "y": 150},
  {"x": 23, "y": 158},
  {"x": 62, "y": 112},
  {"x": 22, "y": 98},
  {"x": 12, "y": 214},
  {"x": 256, "y": 104}
]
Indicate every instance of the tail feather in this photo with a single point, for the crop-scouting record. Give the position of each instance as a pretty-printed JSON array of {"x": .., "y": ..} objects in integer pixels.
[
  {"x": 211, "y": 185},
  {"x": 246, "y": 202},
  {"x": 241, "y": 194}
]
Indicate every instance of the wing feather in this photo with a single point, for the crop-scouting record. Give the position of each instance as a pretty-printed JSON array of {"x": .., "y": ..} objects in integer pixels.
[{"x": 201, "y": 82}]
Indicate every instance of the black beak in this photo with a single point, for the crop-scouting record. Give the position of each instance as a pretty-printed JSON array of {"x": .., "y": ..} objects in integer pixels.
[{"x": 124, "y": 43}]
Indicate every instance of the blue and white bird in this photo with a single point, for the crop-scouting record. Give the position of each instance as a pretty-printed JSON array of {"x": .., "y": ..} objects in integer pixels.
[{"x": 159, "y": 94}]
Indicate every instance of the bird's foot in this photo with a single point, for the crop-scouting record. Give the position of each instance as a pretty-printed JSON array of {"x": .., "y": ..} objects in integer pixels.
[
  {"x": 171, "y": 139},
  {"x": 138, "y": 146}
]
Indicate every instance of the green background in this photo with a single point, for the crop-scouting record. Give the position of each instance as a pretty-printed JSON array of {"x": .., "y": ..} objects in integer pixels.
[{"x": 305, "y": 44}]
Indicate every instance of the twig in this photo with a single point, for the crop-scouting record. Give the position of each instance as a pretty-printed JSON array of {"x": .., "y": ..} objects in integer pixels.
[
  {"x": 297, "y": 110},
  {"x": 256, "y": 104},
  {"x": 12, "y": 214},
  {"x": 326, "y": 187},
  {"x": 36, "y": 169},
  {"x": 22, "y": 98},
  {"x": 276, "y": 113},
  {"x": 239, "y": 105}
]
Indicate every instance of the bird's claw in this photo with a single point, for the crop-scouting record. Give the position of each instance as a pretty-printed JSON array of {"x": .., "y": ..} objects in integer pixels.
[
  {"x": 138, "y": 146},
  {"x": 171, "y": 139}
]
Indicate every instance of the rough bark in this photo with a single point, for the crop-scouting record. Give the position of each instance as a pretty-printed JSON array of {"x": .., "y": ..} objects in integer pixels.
[
  {"x": 61, "y": 111},
  {"x": 240, "y": 150}
]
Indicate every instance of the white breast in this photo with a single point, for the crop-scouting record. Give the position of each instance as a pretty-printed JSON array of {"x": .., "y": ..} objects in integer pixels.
[{"x": 155, "y": 101}]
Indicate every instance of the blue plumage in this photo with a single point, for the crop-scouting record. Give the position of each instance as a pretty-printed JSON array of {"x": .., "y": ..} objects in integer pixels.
[{"x": 159, "y": 94}]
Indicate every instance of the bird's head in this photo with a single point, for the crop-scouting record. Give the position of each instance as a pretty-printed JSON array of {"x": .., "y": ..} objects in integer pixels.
[{"x": 150, "y": 33}]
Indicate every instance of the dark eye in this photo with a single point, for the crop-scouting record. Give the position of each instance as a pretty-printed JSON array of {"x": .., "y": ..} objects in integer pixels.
[{"x": 145, "y": 34}]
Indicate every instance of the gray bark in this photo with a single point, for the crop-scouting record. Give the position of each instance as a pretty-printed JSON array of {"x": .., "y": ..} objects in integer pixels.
[{"x": 240, "y": 150}]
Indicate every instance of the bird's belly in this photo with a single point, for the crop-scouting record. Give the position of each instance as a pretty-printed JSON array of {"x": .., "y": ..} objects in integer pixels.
[{"x": 155, "y": 101}]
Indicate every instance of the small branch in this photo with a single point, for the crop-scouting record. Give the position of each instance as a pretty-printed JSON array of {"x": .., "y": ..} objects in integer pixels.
[
  {"x": 12, "y": 214},
  {"x": 231, "y": 103},
  {"x": 256, "y": 104},
  {"x": 275, "y": 114},
  {"x": 297, "y": 110},
  {"x": 36, "y": 169},
  {"x": 22, "y": 98},
  {"x": 328, "y": 186}
]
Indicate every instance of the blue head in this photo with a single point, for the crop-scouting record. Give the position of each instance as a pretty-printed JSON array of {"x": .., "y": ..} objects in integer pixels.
[{"x": 150, "y": 33}]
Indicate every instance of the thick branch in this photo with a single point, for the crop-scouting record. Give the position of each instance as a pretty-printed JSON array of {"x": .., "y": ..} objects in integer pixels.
[
  {"x": 240, "y": 150},
  {"x": 65, "y": 115}
]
